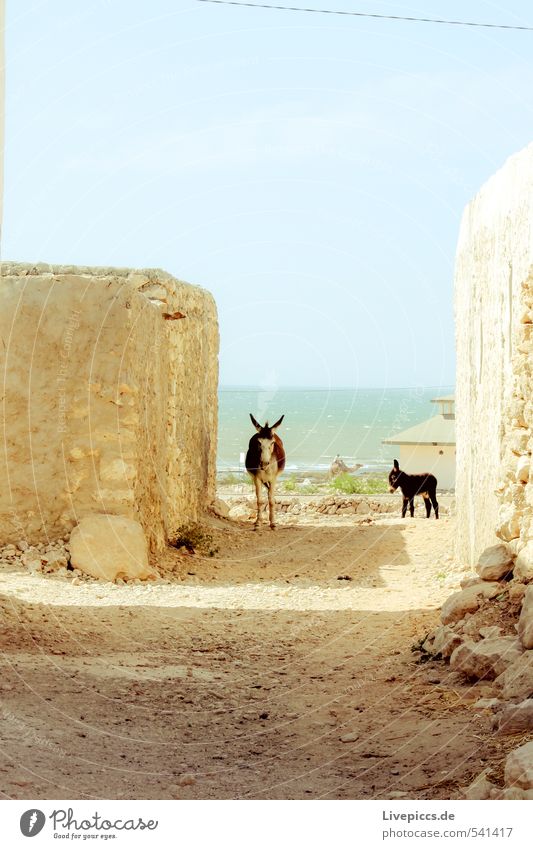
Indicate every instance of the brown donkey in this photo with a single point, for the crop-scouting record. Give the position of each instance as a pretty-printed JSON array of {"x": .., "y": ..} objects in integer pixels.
[{"x": 265, "y": 460}]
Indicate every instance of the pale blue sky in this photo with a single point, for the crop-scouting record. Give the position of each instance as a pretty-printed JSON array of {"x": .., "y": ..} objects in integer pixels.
[{"x": 309, "y": 170}]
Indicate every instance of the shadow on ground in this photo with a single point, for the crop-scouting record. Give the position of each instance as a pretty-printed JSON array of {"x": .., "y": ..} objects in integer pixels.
[{"x": 177, "y": 702}]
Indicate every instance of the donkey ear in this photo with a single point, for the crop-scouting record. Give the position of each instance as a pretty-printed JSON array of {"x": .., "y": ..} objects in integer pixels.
[
  {"x": 396, "y": 466},
  {"x": 255, "y": 423},
  {"x": 279, "y": 421}
]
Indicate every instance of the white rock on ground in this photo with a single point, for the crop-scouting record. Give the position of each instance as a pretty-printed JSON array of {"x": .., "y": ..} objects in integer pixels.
[
  {"x": 516, "y": 719},
  {"x": 467, "y": 628},
  {"x": 489, "y": 632},
  {"x": 495, "y": 562},
  {"x": 517, "y": 591},
  {"x": 519, "y": 767},
  {"x": 480, "y": 788},
  {"x": 442, "y": 641},
  {"x": 517, "y": 680},
  {"x": 508, "y": 527},
  {"x": 485, "y": 659},
  {"x": 220, "y": 508},
  {"x": 31, "y": 557},
  {"x": 54, "y": 560},
  {"x": 241, "y": 511},
  {"x": 352, "y": 737},
  {"x": 488, "y": 704},
  {"x": 109, "y": 547},
  {"x": 516, "y": 794},
  {"x": 524, "y": 562},
  {"x": 525, "y": 623},
  {"x": 467, "y": 601},
  {"x": 469, "y": 580}
]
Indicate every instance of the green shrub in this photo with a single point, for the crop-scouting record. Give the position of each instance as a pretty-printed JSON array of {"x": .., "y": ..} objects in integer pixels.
[
  {"x": 290, "y": 484},
  {"x": 345, "y": 483},
  {"x": 362, "y": 485},
  {"x": 309, "y": 489},
  {"x": 233, "y": 478},
  {"x": 228, "y": 479}
]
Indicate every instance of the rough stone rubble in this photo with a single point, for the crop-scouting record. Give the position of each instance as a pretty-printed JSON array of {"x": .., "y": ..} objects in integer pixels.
[{"x": 65, "y": 558}]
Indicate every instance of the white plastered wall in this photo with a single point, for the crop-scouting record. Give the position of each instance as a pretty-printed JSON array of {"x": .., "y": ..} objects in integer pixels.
[{"x": 494, "y": 258}]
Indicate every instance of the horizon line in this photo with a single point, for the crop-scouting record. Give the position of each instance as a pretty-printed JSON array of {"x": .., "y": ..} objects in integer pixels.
[{"x": 229, "y": 387}]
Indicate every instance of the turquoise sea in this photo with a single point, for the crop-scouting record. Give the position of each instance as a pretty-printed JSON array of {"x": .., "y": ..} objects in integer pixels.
[{"x": 320, "y": 423}]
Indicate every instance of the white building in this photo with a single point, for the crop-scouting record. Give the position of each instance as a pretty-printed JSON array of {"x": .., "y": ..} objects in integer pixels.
[{"x": 430, "y": 446}]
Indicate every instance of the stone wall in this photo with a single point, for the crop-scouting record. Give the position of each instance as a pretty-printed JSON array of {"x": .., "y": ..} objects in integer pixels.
[
  {"x": 109, "y": 404},
  {"x": 515, "y": 489},
  {"x": 295, "y": 508},
  {"x": 487, "y": 627},
  {"x": 494, "y": 259},
  {"x": 2, "y": 108}
]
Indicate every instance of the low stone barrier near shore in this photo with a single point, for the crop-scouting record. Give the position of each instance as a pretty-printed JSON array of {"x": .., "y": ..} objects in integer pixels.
[
  {"x": 244, "y": 507},
  {"x": 338, "y": 504}
]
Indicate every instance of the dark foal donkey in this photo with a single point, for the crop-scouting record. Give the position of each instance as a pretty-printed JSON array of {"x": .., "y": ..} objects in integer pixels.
[{"x": 411, "y": 485}]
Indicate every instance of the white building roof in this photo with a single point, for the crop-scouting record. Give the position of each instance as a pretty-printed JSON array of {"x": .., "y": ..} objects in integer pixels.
[
  {"x": 446, "y": 398},
  {"x": 435, "y": 431}
]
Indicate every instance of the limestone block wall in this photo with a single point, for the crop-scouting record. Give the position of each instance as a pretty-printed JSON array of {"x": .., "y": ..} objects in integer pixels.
[
  {"x": 515, "y": 490},
  {"x": 109, "y": 399},
  {"x": 494, "y": 258},
  {"x": 2, "y": 106}
]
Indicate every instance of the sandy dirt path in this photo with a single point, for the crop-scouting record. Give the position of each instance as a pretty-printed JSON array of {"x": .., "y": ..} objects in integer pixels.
[{"x": 239, "y": 675}]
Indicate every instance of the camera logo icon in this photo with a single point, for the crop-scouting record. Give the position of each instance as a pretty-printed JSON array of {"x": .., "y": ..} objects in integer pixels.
[{"x": 32, "y": 822}]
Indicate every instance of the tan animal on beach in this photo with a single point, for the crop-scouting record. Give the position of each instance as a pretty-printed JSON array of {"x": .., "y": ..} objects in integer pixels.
[
  {"x": 265, "y": 460},
  {"x": 339, "y": 467}
]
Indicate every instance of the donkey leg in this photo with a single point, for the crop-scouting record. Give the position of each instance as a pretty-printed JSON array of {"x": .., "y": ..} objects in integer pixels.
[
  {"x": 404, "y": 507},
  {"x": 427, "y": 502},
  {"x": 412, "y": 507},
  {"x": 271, "y": 517},
  {"x": 435, "y": 505},
  {"x": 257, "y": 483}
]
